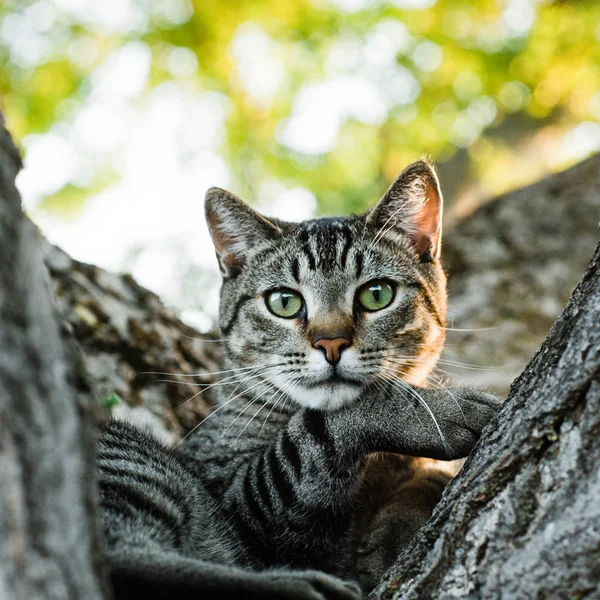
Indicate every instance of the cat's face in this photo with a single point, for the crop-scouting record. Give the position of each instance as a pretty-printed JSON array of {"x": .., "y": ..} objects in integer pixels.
[{"x": 325, "y": 307}]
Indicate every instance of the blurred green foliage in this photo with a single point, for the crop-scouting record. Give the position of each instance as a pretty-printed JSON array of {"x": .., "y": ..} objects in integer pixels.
[{"x": 489, "y": 98}]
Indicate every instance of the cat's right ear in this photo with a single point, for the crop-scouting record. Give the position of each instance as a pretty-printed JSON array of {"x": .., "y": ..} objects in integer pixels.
[
  {"x": 413, "y": 207},
  {"x": 235, "y": 227}
]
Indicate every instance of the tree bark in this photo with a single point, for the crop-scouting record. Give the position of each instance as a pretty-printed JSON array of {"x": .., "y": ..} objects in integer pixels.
[
  {"x": 48, "y": 534},
  {"x": 145, "y": 363},
  {"x": 522, "y": 519},
  {"x": 512, "y": 265}
]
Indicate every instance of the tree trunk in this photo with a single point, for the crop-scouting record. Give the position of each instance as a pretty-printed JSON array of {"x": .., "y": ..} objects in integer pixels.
[
  {"x": 522, "y": 519},
  {"x": 48, "y": 535}
]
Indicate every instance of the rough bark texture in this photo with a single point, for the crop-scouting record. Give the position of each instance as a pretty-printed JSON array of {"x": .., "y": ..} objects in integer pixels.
[
  {"x": 128, "y": 339},
  {"x": 48, "y": 537},
  {"x": 512, "y": 266},
  {"x": 522, "y": 520}
]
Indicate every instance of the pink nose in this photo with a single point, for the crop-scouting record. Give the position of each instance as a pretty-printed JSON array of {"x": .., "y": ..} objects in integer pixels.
[{"x": 332, "y": 348}]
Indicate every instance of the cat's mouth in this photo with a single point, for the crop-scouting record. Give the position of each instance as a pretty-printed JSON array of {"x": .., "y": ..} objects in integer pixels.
[
  {"x": 332, "y": 380},
  {"x": 327, "y": 390},
  {"x": 327, "y": 393}
]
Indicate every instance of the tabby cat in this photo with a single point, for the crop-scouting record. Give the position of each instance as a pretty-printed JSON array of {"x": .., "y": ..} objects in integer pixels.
[{"x": 329, "y": 327}]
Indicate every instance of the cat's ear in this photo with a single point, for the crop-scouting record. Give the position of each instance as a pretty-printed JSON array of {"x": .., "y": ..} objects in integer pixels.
[
  {"x": 413, "y": 207},
  {"x": 235, "y": 227}
]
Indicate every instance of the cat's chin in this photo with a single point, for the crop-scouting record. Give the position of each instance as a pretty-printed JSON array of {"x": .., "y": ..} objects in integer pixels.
[{"x": 326, "y": 395}]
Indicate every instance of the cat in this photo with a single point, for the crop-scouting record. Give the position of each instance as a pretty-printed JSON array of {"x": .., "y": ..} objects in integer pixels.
[{"x": 330, "y": 328}]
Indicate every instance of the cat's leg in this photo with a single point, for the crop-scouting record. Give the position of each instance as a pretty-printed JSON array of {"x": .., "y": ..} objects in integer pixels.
[
  {"x": 397, "y": 498},
  {"x": 294, "y": 501},
  {"x": 158, "y": 575},
  {"x": 165, "y": 537},
  {"x": 426, "y": 422}
]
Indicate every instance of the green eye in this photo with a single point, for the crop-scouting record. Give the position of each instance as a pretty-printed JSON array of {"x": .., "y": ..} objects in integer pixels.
[
  {"x": 375, "y": 295},
  {"x": 284, "y": 303}
]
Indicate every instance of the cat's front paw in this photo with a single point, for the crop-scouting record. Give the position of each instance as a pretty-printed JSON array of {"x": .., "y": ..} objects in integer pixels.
[
  {"x": 463, "y": 412},
  {"x": 313, "y": 585},
  {"x": 477, "y": 408}
]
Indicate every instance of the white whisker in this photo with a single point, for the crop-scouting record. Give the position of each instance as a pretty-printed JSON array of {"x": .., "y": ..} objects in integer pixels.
[
  {"x": 197, "y": 374},
  {"x": 277, "y": 391},
  {"x": 458, "y": 329},
  {"x": 269, "y": 385},
  {"x": 216, "y": 410},
  {"x": 251, "y": 375},
  {"x": 284, "y": 395},
  {"x": 403, "y": 385}
]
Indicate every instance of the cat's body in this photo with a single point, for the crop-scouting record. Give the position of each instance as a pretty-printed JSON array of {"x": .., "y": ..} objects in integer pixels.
[{"x": 328, "y": 325}]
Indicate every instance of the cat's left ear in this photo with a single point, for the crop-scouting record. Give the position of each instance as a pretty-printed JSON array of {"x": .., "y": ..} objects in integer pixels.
[
  {"x": 413, "y": 207},
  {"x": 235, "y": 228}
]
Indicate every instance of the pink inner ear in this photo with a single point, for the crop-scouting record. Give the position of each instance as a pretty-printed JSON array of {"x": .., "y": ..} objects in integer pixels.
[{"x": 426, "y": 237}]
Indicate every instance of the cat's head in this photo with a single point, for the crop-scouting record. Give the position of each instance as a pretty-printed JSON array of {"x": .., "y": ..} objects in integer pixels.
[{"x": 325, "y": 307}]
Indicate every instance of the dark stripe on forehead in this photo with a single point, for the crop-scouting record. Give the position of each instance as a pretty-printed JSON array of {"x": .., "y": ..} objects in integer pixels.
[
  {"x": 347, "y": 245},
  {"x": 295, "y": 266},
  {"x": 333, "y": 241},
  {"x": 304, "y": 233},
  {"x": 312, "y": 265},
  {"x": 227, "y": 328},
  {"x": 359, "y": 265}
]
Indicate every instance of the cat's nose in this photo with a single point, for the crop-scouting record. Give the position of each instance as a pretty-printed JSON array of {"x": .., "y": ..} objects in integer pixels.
[{"x": 331, "y": 347}]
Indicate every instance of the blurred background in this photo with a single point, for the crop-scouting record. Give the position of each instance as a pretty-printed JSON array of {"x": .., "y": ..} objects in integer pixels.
[{"x": 127, "y": 110}]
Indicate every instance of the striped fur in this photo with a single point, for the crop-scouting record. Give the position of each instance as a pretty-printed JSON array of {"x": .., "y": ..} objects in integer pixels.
[{"x": 275, "y": 478}]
